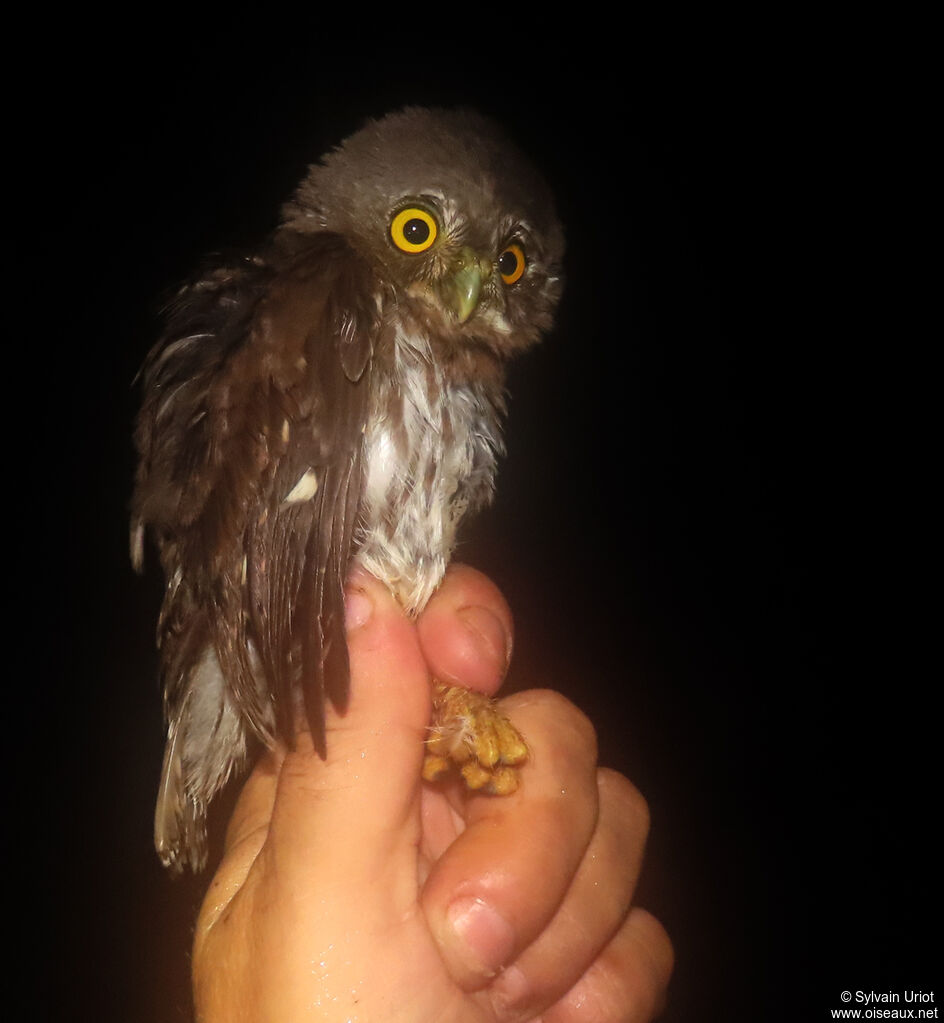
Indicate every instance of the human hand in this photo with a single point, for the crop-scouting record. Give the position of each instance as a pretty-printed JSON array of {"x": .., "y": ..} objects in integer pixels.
[{"x": 351, "y": 890}]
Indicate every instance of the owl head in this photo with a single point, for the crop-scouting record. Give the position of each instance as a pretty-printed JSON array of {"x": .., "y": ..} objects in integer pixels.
[{"x": 451, "y": 216}]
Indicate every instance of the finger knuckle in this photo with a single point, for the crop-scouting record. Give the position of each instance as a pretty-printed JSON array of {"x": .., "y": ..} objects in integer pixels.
[
  {"x": 619, "y": 790},
  {"x": 659, "y": 944},
  {"x": 606, "y": 997},
  {"x": 571, "y": 719}
]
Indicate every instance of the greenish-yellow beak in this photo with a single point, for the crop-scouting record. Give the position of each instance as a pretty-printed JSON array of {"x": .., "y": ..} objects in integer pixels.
[{"x": 461, "y": 290}]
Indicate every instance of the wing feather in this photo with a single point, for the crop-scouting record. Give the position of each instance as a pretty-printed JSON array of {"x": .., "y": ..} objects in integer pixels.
[{"x": 249, "y": 479}]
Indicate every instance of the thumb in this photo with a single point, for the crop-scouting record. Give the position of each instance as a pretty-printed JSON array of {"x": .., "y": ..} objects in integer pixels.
[{"x": 352, "y": 806}]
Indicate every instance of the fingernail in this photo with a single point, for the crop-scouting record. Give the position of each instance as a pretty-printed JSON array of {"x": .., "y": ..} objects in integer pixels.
[
  {"x": 511, "y": 990},
  {"x": 489, "y": 634},
  {"x": 358, "y": 608},
  {"x": 486, "y": 939}
]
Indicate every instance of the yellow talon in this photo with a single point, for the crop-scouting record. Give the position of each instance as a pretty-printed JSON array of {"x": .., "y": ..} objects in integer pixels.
[
  {"x": 504, "y": 782},
  {"x": 476, "y": 776},
  {"x": 514, "y": 750},
  {"x": 435, "y": 767}
]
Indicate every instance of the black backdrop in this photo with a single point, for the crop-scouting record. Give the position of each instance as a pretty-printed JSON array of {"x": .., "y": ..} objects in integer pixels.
[{"x": 700, "y": 522}]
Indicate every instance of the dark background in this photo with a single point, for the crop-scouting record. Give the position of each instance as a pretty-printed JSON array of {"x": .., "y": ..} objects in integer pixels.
[{"x": 709, "y": 523}]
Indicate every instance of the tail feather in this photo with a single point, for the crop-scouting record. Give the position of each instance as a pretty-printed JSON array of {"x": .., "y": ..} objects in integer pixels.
[
  {"x": 179, "y": 823},
  {"x": 206, "y": 742}
]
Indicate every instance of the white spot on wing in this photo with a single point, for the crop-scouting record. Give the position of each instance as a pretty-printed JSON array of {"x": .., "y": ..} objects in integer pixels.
[{"x": 304, "y": 490}]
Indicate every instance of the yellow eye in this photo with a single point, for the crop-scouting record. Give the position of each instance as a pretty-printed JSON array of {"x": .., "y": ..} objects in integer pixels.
[
  {"x": 413, "y": 230},
  {"x": 511, "y": 263}
]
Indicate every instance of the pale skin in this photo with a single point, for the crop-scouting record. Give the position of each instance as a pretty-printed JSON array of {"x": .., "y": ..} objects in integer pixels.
[{"x": 350, "y": 890}]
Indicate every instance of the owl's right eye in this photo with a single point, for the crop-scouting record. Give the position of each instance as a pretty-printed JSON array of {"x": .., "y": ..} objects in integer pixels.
[{"x": 413, "y": 230}]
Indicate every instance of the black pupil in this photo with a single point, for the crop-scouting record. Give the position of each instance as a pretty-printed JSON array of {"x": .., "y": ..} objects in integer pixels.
[
  {"x": 508, "y": 262},
  {"x": 416, "y": 231}
]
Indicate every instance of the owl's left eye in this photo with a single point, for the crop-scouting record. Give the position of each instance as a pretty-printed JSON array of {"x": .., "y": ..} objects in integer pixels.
[
  {"x": 511, "y": 263},
  {"x": 413, "y": 230}
]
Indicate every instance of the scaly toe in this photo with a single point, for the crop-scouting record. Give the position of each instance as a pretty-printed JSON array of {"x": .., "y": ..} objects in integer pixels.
[
  {"x": 468, "y": 731},
  {"x": 435, "y": 767}
]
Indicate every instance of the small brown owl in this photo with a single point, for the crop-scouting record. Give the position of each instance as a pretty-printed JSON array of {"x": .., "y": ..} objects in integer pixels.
[{"x": 338, "y": 395}]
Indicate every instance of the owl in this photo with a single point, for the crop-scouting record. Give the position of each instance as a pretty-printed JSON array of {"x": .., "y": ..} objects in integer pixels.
[{"x": 334, "y": 398}]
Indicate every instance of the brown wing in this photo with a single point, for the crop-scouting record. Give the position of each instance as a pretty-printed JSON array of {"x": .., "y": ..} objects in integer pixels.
[
  {"x": 250, "y": 478},
  {"x": 317, "y": 324}
]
